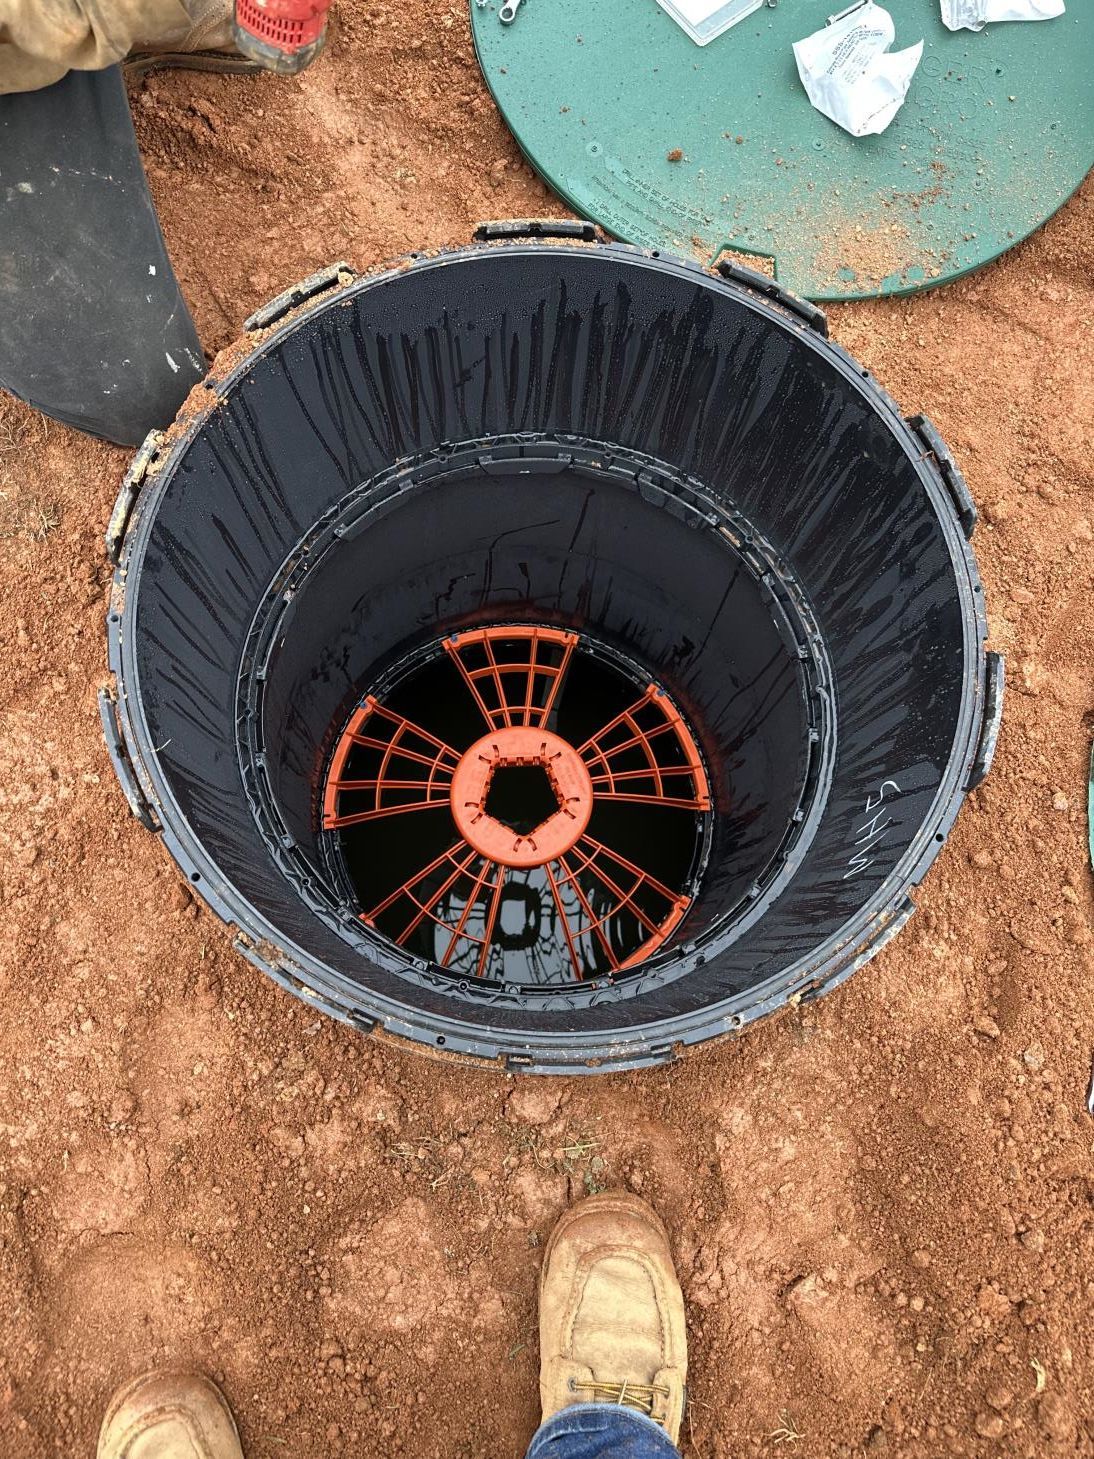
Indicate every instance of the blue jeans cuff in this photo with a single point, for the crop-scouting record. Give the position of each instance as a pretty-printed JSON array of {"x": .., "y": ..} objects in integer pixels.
[{"x": 601, "y": 1431}]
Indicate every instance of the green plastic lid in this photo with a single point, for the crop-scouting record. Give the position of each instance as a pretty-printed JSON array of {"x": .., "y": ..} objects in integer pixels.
[{"x": 697, "y": 149}]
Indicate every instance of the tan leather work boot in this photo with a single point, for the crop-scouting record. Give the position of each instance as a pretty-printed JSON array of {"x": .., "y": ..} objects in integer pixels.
[
  {"x": 611, "y": 1313},
  {"x": 207, "y": 45},
  {"x": 169, "y": 1415}
]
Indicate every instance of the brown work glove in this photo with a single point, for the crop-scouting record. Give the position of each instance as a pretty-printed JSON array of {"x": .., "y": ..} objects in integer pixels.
[{"x": 40, "y": 40}]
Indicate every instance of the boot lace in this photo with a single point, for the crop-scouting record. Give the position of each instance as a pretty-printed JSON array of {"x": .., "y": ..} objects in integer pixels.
[{"x": 642, "y": 1396}]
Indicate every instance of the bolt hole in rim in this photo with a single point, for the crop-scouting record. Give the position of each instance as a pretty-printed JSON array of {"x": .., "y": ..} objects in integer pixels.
[{"x": 664, "y": 468}]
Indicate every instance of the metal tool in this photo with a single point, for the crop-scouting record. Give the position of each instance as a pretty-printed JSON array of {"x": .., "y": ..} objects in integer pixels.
[{"x": 508, "y": 12}]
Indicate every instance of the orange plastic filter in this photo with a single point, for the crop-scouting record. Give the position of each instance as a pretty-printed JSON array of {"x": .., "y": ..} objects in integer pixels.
[{"x": 519, "y": 801}]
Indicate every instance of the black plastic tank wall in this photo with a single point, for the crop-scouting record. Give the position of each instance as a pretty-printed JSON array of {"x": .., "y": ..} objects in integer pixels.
[{"x": 648, "y": 497}]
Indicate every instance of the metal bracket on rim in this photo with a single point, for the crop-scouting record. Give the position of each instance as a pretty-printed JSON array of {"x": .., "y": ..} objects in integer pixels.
[
  {"x": 127, "y": 496},
  {"x": 651, "y": 1057},
  {"x": 771, "y": 289},
  {"x": 949, "y": 471},
  {"x": 317, "y": 283},
  {"x": 994, "y": 676},
  {"x": 246, "y": 948},
  {"x": 269, "y": 960},
  {"x": 123, "y": 765},
  {"x": 538, "y": 228}
]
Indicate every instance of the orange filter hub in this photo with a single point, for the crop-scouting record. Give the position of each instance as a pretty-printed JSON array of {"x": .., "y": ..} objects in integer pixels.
[{"x": 566, "y": 778}]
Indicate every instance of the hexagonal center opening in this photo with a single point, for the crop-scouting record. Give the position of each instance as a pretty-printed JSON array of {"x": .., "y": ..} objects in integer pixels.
[{"x": 521, "y": 797}]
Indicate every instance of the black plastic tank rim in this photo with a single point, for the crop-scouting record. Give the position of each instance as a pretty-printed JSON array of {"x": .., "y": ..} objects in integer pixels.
[{"x": 575, "y": 1052}]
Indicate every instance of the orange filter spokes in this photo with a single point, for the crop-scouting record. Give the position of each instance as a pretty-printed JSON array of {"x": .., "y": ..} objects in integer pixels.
[
  {"x": 411, "y": 769},
  {"x": 513, "y": 673},
  {"x": 647, "y": 754},
  {"x": 555, "y": 855}
]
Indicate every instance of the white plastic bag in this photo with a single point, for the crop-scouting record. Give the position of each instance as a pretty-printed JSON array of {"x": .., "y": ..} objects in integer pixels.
[
  {"x": 975, "y": 14},
  {"x": 849, "y": 72}
]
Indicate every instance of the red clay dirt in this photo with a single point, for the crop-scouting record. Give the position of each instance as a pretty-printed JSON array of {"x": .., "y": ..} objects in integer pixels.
[{"x": 881, "y": 1202}]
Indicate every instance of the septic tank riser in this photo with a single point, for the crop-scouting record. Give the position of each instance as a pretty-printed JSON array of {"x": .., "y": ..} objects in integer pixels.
[{"x": 576, "y": 1042}]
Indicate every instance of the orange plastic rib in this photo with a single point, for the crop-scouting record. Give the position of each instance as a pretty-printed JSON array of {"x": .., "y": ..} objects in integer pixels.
[
  {"x": 521, "y": 690},
  {"x": 589, "y": 854},
  {"x": 407, "y": 746},
  {"x": 609, "y": 752}
]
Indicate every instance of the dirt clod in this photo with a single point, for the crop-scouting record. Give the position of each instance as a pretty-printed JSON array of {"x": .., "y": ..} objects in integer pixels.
[{"x": 990, "y": 1425}]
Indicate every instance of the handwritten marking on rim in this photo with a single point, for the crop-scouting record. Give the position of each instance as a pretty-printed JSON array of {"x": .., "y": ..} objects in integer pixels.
[{"x": 870, "y": 831}]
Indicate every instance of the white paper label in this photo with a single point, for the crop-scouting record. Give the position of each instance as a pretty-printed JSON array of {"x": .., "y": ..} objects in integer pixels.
[{"x": 850, "y": 74}]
